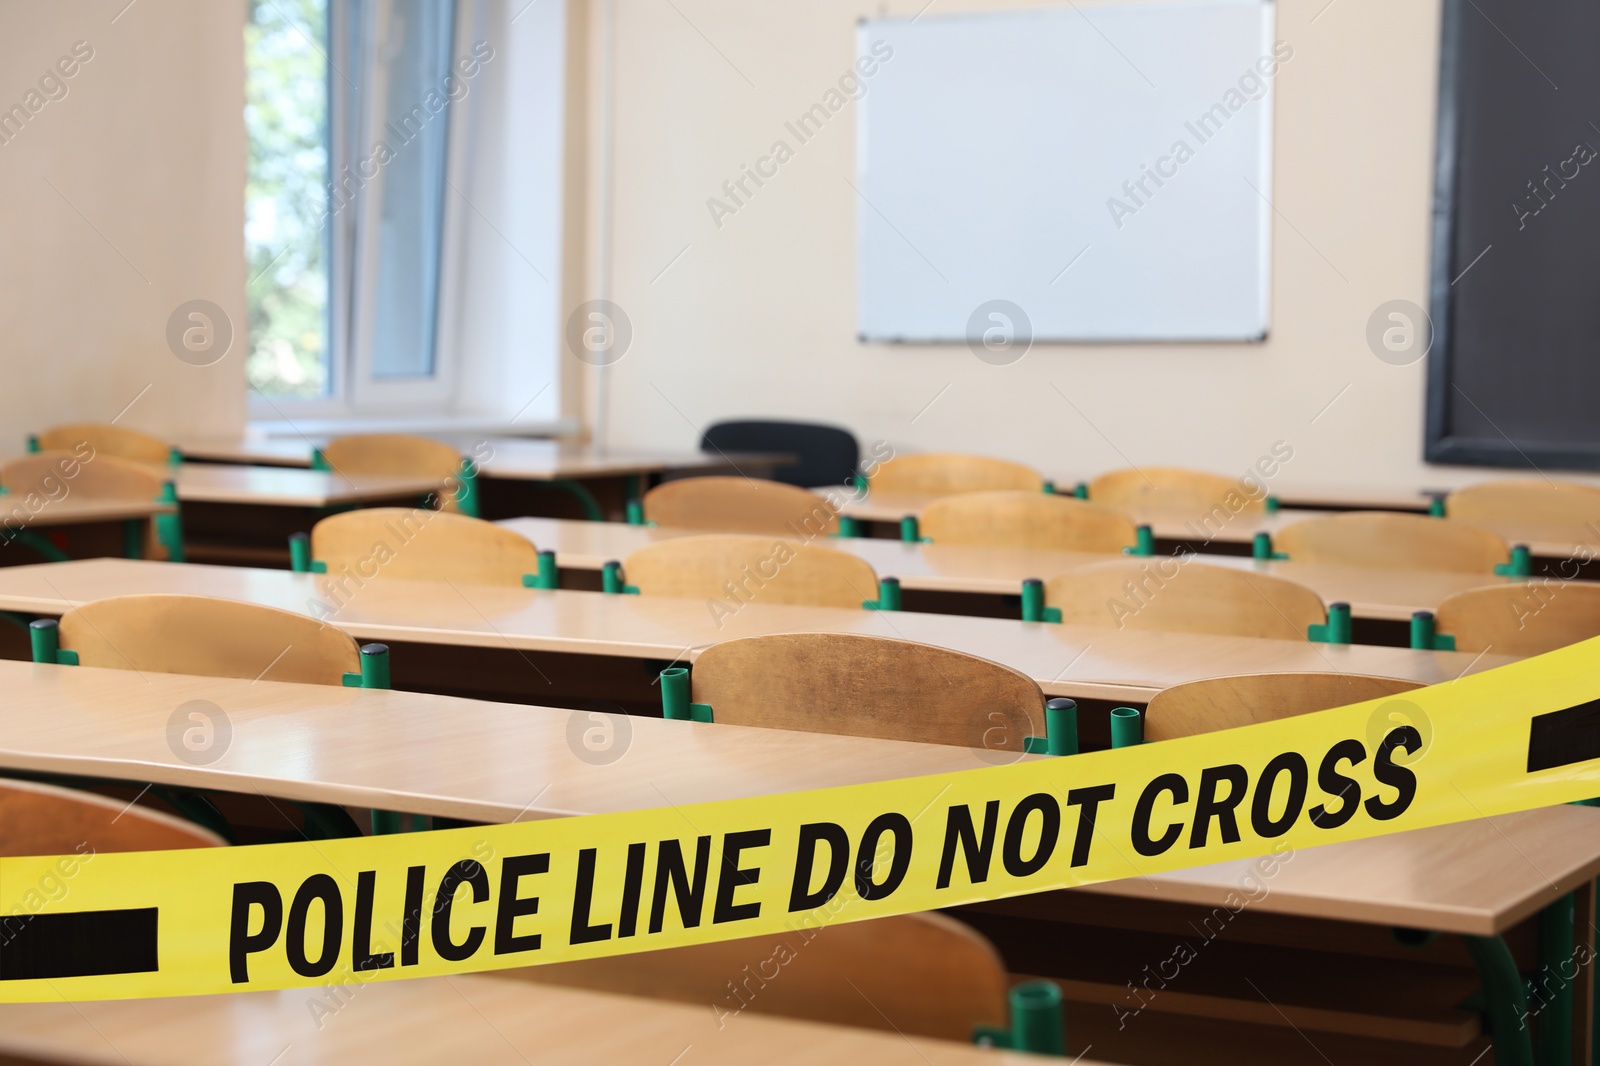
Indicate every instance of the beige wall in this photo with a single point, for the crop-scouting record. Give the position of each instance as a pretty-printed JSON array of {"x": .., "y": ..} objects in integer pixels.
[
  {"x": 122, "y": 200},
  {"x": 758, "y": 317}
]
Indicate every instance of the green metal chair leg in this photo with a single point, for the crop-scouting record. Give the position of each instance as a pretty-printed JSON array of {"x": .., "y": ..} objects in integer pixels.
[
  {"x": 133, "y": 538},
  {"x": 1037, "y": 1024},
  {"x": 1556, "y": 929},
  {"x": 374, "y": 668},
  {"x": 197, "y": 809},
  {"x": 591, "y": 506},
  {"x": 1505, "y": 998},
  {"x": 1127, "y": 727},
  {"x": 30, "y": 539},
  {"x": 467, "y": 495}
]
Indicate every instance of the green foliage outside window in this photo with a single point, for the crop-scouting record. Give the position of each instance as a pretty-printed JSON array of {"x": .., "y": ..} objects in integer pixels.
[{"x": 286, "y": 198}]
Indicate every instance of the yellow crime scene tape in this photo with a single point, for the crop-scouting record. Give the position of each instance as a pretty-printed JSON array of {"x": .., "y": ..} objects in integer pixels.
[{"x": 460, "y": 900}]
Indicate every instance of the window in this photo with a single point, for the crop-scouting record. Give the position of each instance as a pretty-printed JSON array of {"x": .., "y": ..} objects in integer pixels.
[
  {"x": 286, "y": 117},
  {"x": 404, "y": 217},
  {"x": 349, "y": 122}
]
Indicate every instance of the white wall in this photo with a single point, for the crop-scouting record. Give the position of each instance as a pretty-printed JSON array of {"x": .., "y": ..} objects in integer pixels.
[
  {"x": 122, "y": 200},
  {"x": 757, "y": 317}
]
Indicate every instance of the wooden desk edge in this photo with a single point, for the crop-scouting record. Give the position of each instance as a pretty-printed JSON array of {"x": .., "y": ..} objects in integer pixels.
[{"x": 1463, "y": 921}]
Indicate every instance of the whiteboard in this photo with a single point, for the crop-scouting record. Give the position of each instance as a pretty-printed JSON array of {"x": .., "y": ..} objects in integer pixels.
[{"x": 993, "y": 152}]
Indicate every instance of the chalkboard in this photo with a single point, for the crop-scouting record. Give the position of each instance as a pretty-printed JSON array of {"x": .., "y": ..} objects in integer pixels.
[{"x": 1513, "y": 374}]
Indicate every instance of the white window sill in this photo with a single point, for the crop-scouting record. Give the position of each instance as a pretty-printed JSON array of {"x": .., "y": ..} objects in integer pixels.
[{"x": 268, "y": 429}]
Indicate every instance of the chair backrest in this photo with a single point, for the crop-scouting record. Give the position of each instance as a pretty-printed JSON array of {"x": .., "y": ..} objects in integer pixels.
[
  {"x": 1170, "y": 595},
  {"x": 1247, "y": 699},
  {"x": 395, "y": 453},
  {"x": 1020, "y": 519},
  {"x": 1521, "y": 619},
  {"x": 918, "y": 974},
  {"x": 863, "y": 686},
  {"x": 748, "y": 567},
  {"x": 1526, "y": 500},
  {"x": 1169, "y": 488},
  {"x": 173, "y": 634},
  {"x": 946, "y": 473},
  {"x": 107, "y": 439},
  {"x": 1380, "y": 538},
  {"x": 59, "y": 475},
  {"x": 412, "y": 543},
  {"x": 823, "y": 455},
  {"x": 40, "y": 819},
  {"x": 740, "y": 505}
]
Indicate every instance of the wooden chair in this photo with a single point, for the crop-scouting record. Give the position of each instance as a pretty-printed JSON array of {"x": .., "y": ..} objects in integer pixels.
[
  {"x": 57, "y": 474},
  {"x": 863, "y": 686},
  {"x": 174, "y": 634},
  {"x": 740, "y": 505},
  {"x": 736, "y": 566},
  {"x": 1532, "y": 500},
  {"x": 90, "y": 475},
  {"x": 1248, "y": 699},
  {"x": 1398, "y": 541},
  {"x": 1167, "y": 488},
  {"x": 38, "y": 819},
  {"x": 918, "y": 974},
  {"x": 1020, "y": 519},
  {"x": 947, "y": 473},
  {"x": 107, "y": 439},
  {"x": 1521, "y": 619},
  {"x": 415, "y": 544},
  {"x": 397, "y": 454},
  {"x": 1195, "y": 598}
]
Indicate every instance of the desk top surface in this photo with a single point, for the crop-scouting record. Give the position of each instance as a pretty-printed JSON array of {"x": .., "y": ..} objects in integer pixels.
[
  {"x": 483, "y": 1020},
  {"x": 1077, "y": 661},
  {"x": 1477, "y": 878},
  {"x": 442, "y": 755},
  {"x": 287, "y": 487},
  {"x": 492, "y": 762},
  {"x": 73, "y": 510},
  {"x": 1371, "y": 593}
]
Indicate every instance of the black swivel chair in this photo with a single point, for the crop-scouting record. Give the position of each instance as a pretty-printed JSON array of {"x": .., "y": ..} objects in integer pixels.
[{"x": 824, "y": 455}]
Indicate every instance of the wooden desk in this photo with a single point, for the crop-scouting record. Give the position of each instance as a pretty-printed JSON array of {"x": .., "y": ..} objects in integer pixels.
[
  {"x": 494, "y": 763},
  {"x": 519, "y": 473},
  {"x": 1238, "y": 529},
  {"x": 1392, "y": 595},
  {"x": 263, "y": 486},
  {"x": 1353, "y": 497},
  {"x": 75, "y": 527},
  {"x": 1547, "y": 540},
  {"x": 253, "y": 451},
  {"x": 76, "y": 511},
  {"x": 486, "y": 1021},
  {"x": 1552, "y": 540},
  {"x": 463, "y": 759},
  {"x": 1322, "y": 497},
  {"x": 245, "y": 514},
  {"x": 1476, "y": 878},
  {"x": 427, "y": 754},
  {"x": 518, "y": 458},
  {"x": 1072, "y": 661}
]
